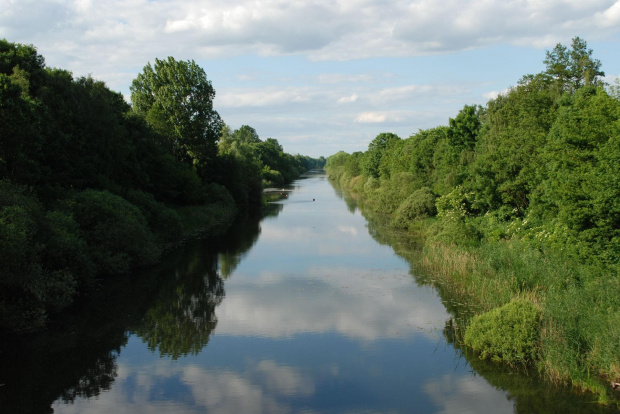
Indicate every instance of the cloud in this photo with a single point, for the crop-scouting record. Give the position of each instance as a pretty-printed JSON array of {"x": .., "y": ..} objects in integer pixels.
[
  {"x": 467, "y": 395},
  {"x": 495, "y": 94},
  {"x": 339, "y": 78},
  {"x": 270, "y": 96},
  {"x": 348, "y": 99},
  {"x": 130, "y": 30},
  {"x": 371, "y": 117},
  {"x": 261, "y": 388},
  {"x": 611, "y": 17},
  {"x": 299, "y": 61},
  {"x": 392, "y": 117},
  {"x": 355, "y": 304}
]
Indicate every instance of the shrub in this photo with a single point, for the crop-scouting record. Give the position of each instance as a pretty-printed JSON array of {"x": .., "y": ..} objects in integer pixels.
[
  {"x": 371, "y": 184},
  {"x": 115, "y": 230},
  {"x": 27, "y": 287},
  {"x": 392, "y": 193},
  {"x": 510, "y": 333},
  {"x": 65, "y": 249},
  {"x": 419, "y": 205},
  {"x": 271, "y": 178},
  {"x": 163, "y": 221}
]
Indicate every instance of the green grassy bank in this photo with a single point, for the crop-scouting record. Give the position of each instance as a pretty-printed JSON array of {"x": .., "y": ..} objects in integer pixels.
[{"x": 525, "y": 305}]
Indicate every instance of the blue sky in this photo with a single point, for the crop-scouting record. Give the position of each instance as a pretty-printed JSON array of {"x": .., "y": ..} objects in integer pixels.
[{"x": 326, "y": 75}]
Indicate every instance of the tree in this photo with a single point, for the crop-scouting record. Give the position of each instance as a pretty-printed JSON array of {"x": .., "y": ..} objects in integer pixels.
[
  {"x": 573, "y": 68},
  {"x": 506, "y": 168},
  {"x": 581, "y": 161},
  {"x": 247, "y": 135},
  {"x": 464, "y": 129},
  {"x": 177, "y": 100},
  {"x": 376, "y": 150},
  {"x": 20, "y": 141},
  {"x": 25, "y": 58}
]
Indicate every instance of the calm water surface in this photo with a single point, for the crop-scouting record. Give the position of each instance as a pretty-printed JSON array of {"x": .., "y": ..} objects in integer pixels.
[{"x": 304, "y": 312}]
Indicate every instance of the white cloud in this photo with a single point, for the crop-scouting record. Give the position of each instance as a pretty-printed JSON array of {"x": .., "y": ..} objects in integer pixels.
[
  {"x": 495, "y": 94},
  {"x": 298, "y": 60},
  {"x": 467, "y": 395},
  {"x": 392, "y": 117},
  {"x": 346, "y": 300},
  {"x": 348, "y": 99},
  {"x": 261, "y": 388},
  {"x": 323, "y": 29},
  {"x": 270, "y": 96},
  {"x": 339, "y": 78},
  {"x": 371, "y": 117}
]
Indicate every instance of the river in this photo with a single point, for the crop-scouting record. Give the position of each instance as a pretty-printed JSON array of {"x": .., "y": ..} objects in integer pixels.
[{"x": 308, "y": 310}]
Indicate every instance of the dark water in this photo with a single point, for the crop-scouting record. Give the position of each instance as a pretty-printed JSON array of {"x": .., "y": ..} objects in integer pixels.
[{"x": 308, "y": 311}]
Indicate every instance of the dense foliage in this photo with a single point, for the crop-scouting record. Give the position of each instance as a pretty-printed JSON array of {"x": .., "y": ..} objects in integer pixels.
[
  {"x": 91, "y": 186},
  {"x": 525, "y": 194},
  {"x": 509, "y": 333}
]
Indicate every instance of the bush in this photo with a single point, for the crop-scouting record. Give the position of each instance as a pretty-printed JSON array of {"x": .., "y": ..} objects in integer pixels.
[
  {"x": 419, "y": 205},
  {"x": 115, "y": 230},
  {"x": 272, "y": 178},
  {"x": 371, "y": 184},
  {"x": 163, "y": 221},
  {"x": 65, "y": 249},
  {"x": 510, "y": 333},
  {"x": 392, "y": 193}
]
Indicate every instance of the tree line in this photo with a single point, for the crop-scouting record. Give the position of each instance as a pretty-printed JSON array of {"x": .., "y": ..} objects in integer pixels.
[
  {"x": 526, "y": 190},
  {"x": 92, "y": 186}
]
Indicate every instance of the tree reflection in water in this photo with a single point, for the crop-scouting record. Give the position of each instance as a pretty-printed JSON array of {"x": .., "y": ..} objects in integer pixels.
[
  {"x": 171, "y": 307},
  {"x": 183, "y": 315}
]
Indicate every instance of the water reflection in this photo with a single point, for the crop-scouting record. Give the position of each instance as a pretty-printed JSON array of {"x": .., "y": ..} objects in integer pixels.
[
  {"x": 521, "y": 391},
  {"x": 313, "y": 316},
  {"x": 182, "y": 316},
  {"x": 171, "y": 308},
  {"x": 263, "y": 387},
  {"x": 349, "y": 301}
]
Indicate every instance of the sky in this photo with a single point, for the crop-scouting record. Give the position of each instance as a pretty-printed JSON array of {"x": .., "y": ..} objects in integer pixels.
[{"x": 321, "y": 76}]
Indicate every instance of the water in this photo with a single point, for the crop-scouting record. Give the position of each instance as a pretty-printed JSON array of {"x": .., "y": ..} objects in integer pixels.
[{"x": 303, "y": 312}]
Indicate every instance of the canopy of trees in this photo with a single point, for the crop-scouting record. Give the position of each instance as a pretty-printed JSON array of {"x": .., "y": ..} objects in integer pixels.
[{"x": 91, "y": 186}]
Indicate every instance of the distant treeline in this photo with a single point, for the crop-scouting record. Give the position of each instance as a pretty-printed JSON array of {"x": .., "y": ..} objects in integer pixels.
[
  {"x": 91, "y": 186},
  {"x": 519, "y": 205}
]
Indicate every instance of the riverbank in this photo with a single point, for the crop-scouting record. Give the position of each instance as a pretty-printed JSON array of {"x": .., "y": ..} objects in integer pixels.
[{"x": 575, "y": 333}]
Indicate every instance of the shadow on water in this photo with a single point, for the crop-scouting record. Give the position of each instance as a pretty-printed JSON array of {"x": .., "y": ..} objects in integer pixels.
[
  {"x": 76, "y": 355},
  {"x": 527, "y": 390}
]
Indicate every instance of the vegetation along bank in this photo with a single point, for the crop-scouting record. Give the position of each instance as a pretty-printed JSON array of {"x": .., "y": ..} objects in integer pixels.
[
  {"x": 92, "y": 187},
  {"x": 518, "y": 206}
]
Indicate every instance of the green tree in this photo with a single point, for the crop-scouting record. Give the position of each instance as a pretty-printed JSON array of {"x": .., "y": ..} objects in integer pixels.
[
  {"x": 247, "y": 135},
  {"x": 506, "y": 170},
  {"x": 464, "y": 129},
  {"x": 376, "y": 149},
  {"x": 573, "y": 68},
  {"x": 177, "y": 100},
  {"x": 26, "y": 59},
  {"x": 352, "y": 165},
  {"x": 239, "y": 169},
  {"x": 20, "y": 140},
  {"x": 581, "y": 169}
]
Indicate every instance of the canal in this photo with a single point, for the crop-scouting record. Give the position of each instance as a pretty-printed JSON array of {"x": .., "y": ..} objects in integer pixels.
[{"x": 308, "y": 310}]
